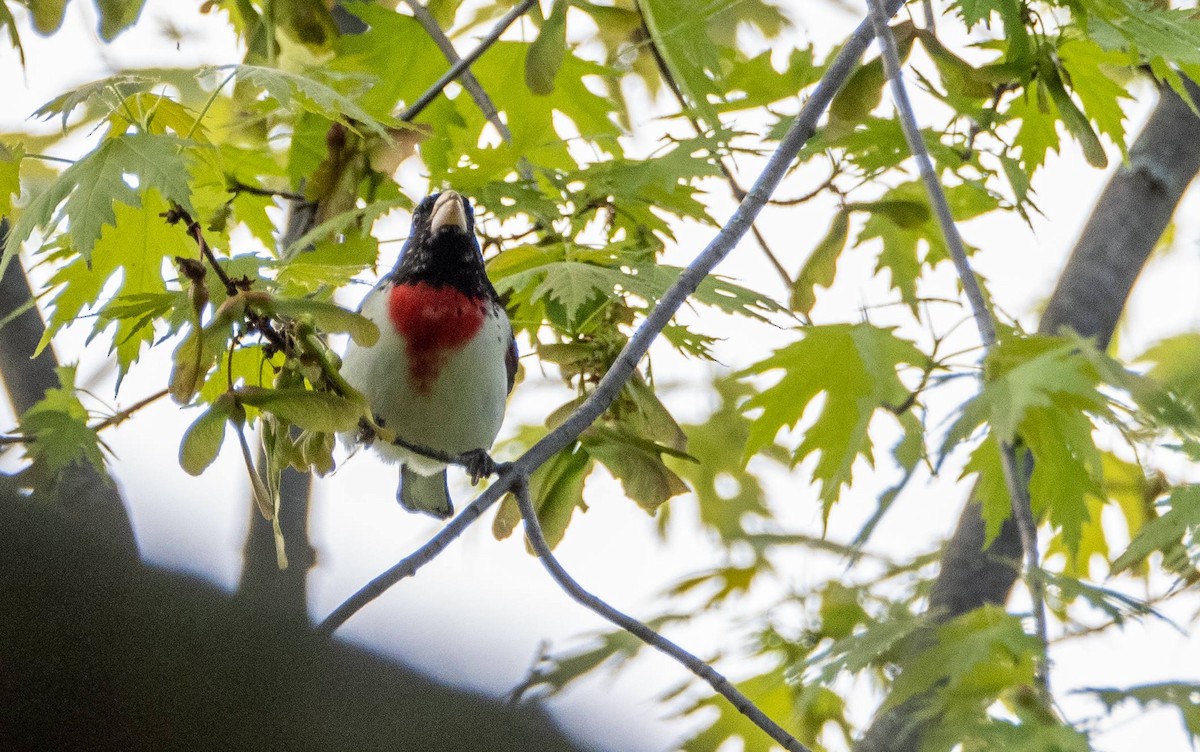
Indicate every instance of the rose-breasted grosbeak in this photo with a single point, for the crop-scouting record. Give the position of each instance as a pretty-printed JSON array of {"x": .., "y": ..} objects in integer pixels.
[{"x": 445, "y": 361}]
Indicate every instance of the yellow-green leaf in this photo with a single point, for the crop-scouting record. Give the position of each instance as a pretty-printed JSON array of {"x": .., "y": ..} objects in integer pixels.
[
  {"x": 10, "y": 176},
  {"x": 329, "y": 318},
  {"x": 309, "y": 410},
  {"x": 47, "y": 14}
]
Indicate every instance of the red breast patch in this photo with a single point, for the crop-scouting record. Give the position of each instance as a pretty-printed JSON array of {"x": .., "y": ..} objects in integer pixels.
[{"x": 433, "y": 321}]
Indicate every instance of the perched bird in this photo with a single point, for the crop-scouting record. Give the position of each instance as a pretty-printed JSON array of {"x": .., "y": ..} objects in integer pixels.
[{"x": 440, "y": 374}]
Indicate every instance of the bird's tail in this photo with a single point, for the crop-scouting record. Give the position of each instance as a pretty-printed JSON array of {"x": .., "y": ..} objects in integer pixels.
[{"x": 424, "y": 493}]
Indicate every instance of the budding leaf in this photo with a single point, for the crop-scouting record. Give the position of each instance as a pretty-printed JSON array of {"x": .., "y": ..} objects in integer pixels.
[{"x": 58, "y": 427}]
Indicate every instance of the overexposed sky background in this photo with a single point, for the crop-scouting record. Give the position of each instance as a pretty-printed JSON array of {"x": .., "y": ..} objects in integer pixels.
[{"x": 480, "y": 613}]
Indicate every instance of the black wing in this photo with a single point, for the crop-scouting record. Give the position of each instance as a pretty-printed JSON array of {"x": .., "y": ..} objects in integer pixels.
[{"x": 510, "y": 362}]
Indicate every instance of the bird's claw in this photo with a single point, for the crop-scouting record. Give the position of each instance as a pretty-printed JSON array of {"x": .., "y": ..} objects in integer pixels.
[{"x": 478, "y": 464}]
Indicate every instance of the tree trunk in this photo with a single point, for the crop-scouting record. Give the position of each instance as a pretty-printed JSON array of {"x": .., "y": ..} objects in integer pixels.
[{"x": 89, "y": 495}]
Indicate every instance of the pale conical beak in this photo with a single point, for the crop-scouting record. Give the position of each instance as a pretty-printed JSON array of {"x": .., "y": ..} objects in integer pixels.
[{"x": 448, "y": 211}]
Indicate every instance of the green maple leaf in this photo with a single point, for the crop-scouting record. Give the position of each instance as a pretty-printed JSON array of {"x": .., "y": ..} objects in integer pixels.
[
  {"x": 974, "y": 659},
  {"x": 94, "y": 185},
  {"x": 873, "y": 644},
  {"x": 14, "y": 37},
  {"x": 854, "y": 366},
  {"x": 111, "y": 91},
  {"x": 293, "y": 90},
  {"x": 679, "y": 29},
  {"x": 1160, "y": 533},
  {"x": 713, "y": 444},
  {"x": 1038, "y": 133},
  {"x": 637, "y": 463},
  {"x": 1126, "y": 485},
  {"x": 1177, "y": 365},
  {"x": 821, "y": 265},
  {"x": 755, "y": 82},
  {"x": 574, "y": 285},
  {"x": 1040, "y": 393},
  {"x": 1085, "y": 62},
  {"x": 136, "y": 245},
  {"x": 975, "y": 11},
  {"x": 58, "y": 425},
  {"x": 394, "y": 43},
  {"x": 1170, "y": 34},
  {"x": 531, "y": 119},
  {"x": 903, "y": 221},
  {"x": 556, "y": 489},
  {"x": 117, "y": 15}
]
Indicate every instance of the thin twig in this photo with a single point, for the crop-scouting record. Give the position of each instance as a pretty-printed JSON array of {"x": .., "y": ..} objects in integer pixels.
[
  {"x": 236, "y": 186},
  {"x": 721, "y": 685},
  {"x": 738, "y": 192},
  {"x": 803, "y": 128},
  {"x": 467, "y": 79},
  {"x": 1015, "y": 481},
  {"x": 458, "y": 68},
  {"x": 115, "y": 419},
  {"x": 409, "y": 565},
  {"x": 123, "y": 415},
  {"x": 258, "y": 322},
  {"x": 49, "y": 158}
]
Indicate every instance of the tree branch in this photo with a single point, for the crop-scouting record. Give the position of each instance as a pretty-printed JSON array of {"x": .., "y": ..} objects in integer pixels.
[
  {"x": 409, "y": 565},
  {"x": 462, "y": 65},
  {"x": 803, "y": 127},
  {"x": 467, "y": 79},
  {"x": 721, "y": 685},
  {"x": 1119, "y": 236},
  {"x": 257, "y": 321},
  {"x": 738, "y": 192},
  {"x": 1014, "y": 479}
]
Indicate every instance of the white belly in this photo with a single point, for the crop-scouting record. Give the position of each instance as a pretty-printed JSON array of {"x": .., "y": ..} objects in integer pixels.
[{"x": 461, "y": 409}]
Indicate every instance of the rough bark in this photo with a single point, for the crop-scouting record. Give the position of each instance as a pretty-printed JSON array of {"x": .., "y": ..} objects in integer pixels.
[
  {"x": 1124, "y": 227},
  {"x": 89, "y": 495}
]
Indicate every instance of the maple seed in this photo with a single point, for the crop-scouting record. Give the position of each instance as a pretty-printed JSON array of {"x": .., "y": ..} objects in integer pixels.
[{"x": 192, "y": 269}]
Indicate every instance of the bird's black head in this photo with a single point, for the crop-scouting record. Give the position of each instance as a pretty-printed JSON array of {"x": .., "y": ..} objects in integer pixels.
[{"x": 442, "y": 249}]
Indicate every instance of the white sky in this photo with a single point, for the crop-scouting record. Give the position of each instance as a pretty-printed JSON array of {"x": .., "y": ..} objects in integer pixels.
[{"x": 478, "y": 614}]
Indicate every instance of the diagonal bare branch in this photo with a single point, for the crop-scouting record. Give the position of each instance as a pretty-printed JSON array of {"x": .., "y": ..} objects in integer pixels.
[
  {"x": 467, "y": 79},
  {"x": 721, "y": 685},
  {"x": 513, "y": 477},
  {"x": 803, "y": 128},
  {"x": 464, "y": 64}
]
